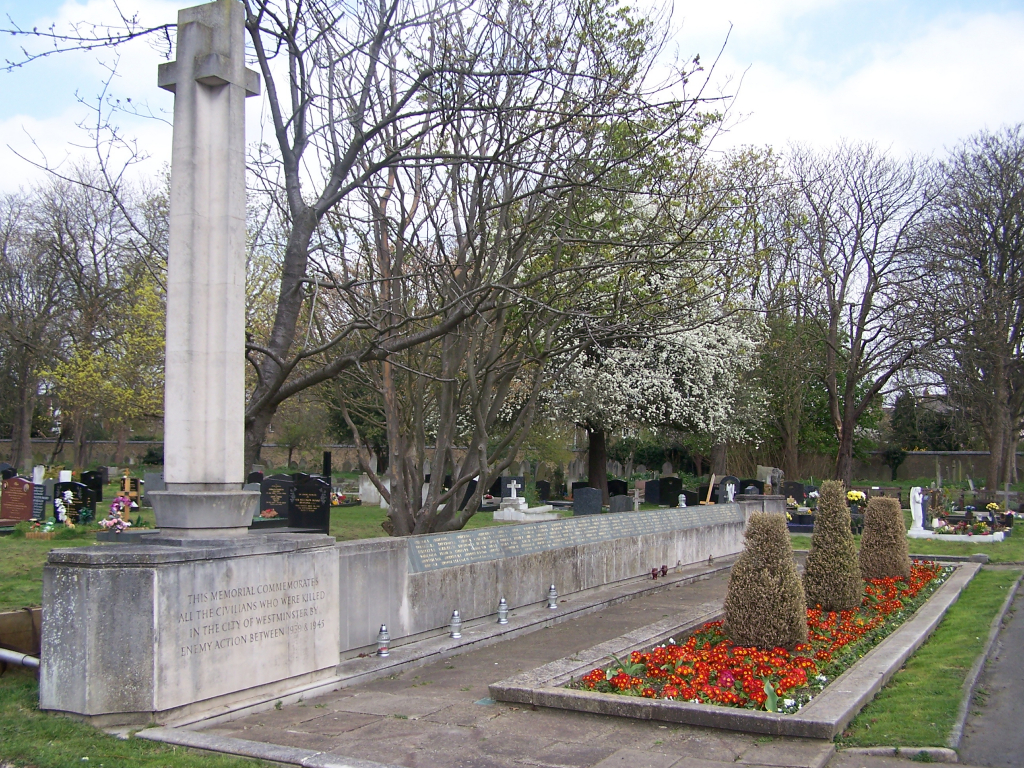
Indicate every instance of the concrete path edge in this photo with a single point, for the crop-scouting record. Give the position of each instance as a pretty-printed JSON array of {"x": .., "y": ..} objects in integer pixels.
[
  {"x": 255, "y": 749},
  {"x": 956, "y": 734},
  {"x": 823, "y": 718}
]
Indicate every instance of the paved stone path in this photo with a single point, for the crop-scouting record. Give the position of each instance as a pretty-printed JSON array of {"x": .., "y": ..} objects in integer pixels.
[
  {"x": 439, "y": 715},
  {"x": 994, "y": 732}
]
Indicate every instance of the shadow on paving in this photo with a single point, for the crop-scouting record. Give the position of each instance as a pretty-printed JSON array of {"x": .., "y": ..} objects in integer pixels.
[
  {"x": 439, "y": 715},
  {"x": 994, "y": 732}
]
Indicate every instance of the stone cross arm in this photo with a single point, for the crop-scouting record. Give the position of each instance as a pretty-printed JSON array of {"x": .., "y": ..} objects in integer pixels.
[
  {"x": 210, "y": 45},
  {"x": 514, "y": 486}
]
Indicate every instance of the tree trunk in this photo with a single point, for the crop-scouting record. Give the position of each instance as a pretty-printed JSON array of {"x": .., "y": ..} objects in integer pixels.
[
  {"x": 255, "y": 433},
  {"x": 21, "y": 456},
  {"x": 844, "y": 458},
  {"x": 790, "y": 453},
  {"x": 597, "y": 462},
  {"x": 719, "y": 467},
  {"x": 122, "y": 444},
  {"x": 81, "y": 445},
  {"x": 996, "y": 435}
]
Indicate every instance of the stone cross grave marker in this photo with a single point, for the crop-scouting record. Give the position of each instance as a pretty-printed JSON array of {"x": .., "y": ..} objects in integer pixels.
[
  {"x": 513, "y": 487},
  {"x": 636, "y": 499}
]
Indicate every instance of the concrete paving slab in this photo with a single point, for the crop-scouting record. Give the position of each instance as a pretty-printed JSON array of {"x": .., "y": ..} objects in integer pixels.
[
  {"x": 791, "y": 753},
  {"x": 389, "y": 704},
  {"x": 635, "y": 758}
]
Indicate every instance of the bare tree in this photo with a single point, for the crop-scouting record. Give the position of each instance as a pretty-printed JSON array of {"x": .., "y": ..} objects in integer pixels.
[
  {"x": 976, "y": 238},
  {"x": 861, "y": 212}
]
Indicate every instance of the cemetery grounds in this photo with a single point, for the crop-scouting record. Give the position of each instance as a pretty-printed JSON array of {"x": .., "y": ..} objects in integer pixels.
[{"x": 916, "y": 708}]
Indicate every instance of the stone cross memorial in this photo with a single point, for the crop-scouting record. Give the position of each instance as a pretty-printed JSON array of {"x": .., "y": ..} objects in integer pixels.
[{"x": 204, "y": 615}]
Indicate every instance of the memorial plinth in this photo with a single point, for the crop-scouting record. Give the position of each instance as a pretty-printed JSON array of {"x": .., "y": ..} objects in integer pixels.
[{"x": 186, "y": 627}]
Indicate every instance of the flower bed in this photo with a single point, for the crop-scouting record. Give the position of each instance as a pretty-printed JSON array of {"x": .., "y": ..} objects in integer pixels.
[{"x": 708, "y": 668}]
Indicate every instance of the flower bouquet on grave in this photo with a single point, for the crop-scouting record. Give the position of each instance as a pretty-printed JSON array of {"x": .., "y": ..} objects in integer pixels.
[
  {"x": 118, "y": 520},
  {"x": 62, "y": 507},
  {"x": 855, "y": 497},
  {"x": 268, "y": 513}
]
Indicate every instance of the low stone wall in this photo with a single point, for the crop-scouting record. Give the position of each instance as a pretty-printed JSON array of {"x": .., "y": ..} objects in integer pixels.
[{"x": 413, "y": 584}]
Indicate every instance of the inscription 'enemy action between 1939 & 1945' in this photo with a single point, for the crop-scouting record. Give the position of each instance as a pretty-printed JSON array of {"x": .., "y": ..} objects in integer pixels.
[{"x": 249, "y": 615}]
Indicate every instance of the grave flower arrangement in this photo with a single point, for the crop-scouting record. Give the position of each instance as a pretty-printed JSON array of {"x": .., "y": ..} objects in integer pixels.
[
  {"x": 993, "y": 507},
  {"x": 62, "y": 505},
  {"x": 118, "y": 519},
  {"x": 964, "y": 529},
  {"x": 41, "y": 526},
  {"x": 707, "y": 668},
  {"x": 855, "y": 497}
]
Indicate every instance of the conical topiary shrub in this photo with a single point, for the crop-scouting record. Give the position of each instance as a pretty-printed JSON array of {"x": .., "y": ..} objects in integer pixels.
[
  {"x": 832, "y": 575},
  {"x": 765, "y": 603},
  {"x": 883, "y": 547}
]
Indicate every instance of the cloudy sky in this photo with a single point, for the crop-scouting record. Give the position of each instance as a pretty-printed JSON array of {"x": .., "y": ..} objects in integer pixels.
[{"x": 914, "y": 76}]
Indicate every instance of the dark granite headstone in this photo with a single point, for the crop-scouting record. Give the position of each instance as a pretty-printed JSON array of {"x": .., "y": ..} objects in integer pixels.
[
  {"x": 274, "y": 495},
  {"x": 254, "y": 477},
  {"x": 495, "y": 489},
  {"x": 744, "y": 484},
  {"x": 470, "y": 490},
  {"x": 325, "y": 471},
  {"x": 16, "y": 499},
  {"x": 692, "y": 499},
  {"x": 8, "y": 473},
  {"x": 310, "y": 503},
  {"x": 543, "y": 489},
  {"x": 104, "y": 473},
  {"x": 94, "y": 481},
  {"x": 577, "y": 485},
  {"x": 617, "y": 488},
  {"x": 702, "y": 492},
  {"x": 652, "y": 492},
  {"x": 82, "y": 507},
  {"x": 586, "y": 501},
  {"x": 794, "y": 490},
  {"x": 506, "y": 486},
  {"x": 620, "y": 504},
  {"x": 38, "y": 502},
  {"x": 723, "y": 493},
  {"x": 669, "y": 490}
]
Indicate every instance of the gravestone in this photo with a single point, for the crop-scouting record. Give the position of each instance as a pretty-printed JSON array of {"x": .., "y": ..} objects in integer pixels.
[
  {"x": 16, "y": 499},
  {"x": 586, "y": 501},
  {"x": 38, "y": 501},
  {"x": 702, "y": 492},
  {"x": 617, "y": 488},
  {"x": 275, "y": 495},
  {"x": 744, "y": 484},
  {"x": 543, "y": 489},
  {"x": 691, "y": 498},
  {"x": 470, "y": 490},
  {"x": 368, "y": 493},
  {"x": 620, "y": 504},
  {"x": 104, "y": 473},
  {"x": 94, "y": 481},
  {"x": 254, "y": 477},
  {"x": 310, "y": 503},
  {"x": 669, "y": 489},
  {"x": 652, "y": 492},
  {"x": 543, "y": 471},
  {"x": 577, "y": 485},
  {"x": 346, "y": 466},
  {"x": 524, "y": 468},
  {"x": 666, "y": 468},
  {"x": 38, "y": 474},
  {"x": 728, "y": 489},
  {"x": 495, "y": 489},
  {"x": 794, "y": 490},
  {"x": 506, "y": 486},
  {"x": 152, "y": 481},
  {"x": 81, "y": 508},
  {"x": 7, "y": 471},
  {"x": 641, "y": 469}
]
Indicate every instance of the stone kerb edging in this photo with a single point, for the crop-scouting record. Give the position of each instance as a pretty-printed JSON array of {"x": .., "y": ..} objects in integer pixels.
[{"x": 824, "y": 717}]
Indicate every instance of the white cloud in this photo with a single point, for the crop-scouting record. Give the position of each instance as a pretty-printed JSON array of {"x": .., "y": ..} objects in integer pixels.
[{"x": 958, "y": 76}]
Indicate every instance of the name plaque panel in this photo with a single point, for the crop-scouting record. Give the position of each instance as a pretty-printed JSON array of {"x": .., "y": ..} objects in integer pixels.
[{"x": 445, "y": 550}]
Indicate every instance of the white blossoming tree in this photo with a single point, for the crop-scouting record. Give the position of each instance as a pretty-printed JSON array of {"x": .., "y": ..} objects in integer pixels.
[{"x": 692, "y": 380}]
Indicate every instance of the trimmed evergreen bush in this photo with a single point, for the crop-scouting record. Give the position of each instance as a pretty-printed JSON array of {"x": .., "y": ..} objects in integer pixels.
[
  {"x": 883, "y": 547},
  {"x": 832, "y": 574},
  {"x": 765, "y": 604}
]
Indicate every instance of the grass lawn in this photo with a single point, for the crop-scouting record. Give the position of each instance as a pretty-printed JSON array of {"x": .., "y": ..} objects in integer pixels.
[
  {"x": 918, "y": 706},
  {"x": 29, "y": 737}
]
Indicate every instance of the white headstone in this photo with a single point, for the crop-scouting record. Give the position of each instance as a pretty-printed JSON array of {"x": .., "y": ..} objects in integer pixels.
[
  {"x": 426, "y": 467},
  {"x": 65, "y": 476},
  {"x": 916, "y": 508},
  {"x": 513, "y": 486},
  {"x": 38, "y": 473},
  {"x": 524, "y": 468},
  {"x": 368, "y": 493},
  {"x": 386, "y": 482}
]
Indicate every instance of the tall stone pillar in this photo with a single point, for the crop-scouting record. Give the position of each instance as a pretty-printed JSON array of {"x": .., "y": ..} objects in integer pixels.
[{"x": 204, "y": 393}]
